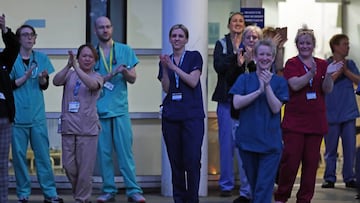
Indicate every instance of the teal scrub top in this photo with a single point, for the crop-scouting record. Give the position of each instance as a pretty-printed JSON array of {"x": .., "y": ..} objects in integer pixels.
[
  {"x": 29, "y": 98},
  {"x": 112, "y": 103}
]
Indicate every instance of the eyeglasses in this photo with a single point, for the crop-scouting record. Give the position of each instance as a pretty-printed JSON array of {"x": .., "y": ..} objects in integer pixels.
[
  {"x": 305, "y": 31},
  {"x": 27, "y": 35}
]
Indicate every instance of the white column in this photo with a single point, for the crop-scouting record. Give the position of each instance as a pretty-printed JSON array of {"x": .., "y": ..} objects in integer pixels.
[{"x": 194, "y": 15}]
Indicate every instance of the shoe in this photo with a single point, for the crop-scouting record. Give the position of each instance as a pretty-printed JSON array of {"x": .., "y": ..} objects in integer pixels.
[
  {"x": 357, "y": 196},
  {"x": 107, "y": 197},
  {"x": 328, "y": 184},
  {"x": 136, "y": 197},
  {"x": 225, "y": 193},
  {"x": 350, "y": 184},
  {"x": 241, "y": 199},
  {"x": 53, "y": 200},
  {"x": 23, "y": 200}
]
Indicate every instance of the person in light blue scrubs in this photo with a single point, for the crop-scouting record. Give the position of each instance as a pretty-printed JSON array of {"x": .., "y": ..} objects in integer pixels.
[
  {"x": 117, "y": 66},
  {"x": 31, "y": 75}
]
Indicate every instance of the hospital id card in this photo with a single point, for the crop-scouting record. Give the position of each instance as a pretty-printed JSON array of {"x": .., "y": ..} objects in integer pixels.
[
  {"x": 176, "y": 96},
  {"x": 109, "y": 86},
  {"x": 311, "y": 95},
  {"x": 74, "y": 107}
]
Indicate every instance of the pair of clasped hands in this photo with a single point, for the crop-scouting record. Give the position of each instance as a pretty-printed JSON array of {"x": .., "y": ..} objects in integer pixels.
[{"x": 166, "y": 62}]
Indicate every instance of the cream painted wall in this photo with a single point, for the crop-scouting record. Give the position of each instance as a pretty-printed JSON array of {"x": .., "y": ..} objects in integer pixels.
[
  {"x": 65, "y": 20},
  {"x": 64, "y": 28}
]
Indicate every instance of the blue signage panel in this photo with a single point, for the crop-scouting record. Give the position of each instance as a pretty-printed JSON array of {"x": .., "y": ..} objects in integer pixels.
[{"x": 254, "y": 16}]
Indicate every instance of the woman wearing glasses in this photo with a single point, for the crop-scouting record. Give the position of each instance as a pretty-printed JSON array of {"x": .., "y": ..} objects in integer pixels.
[
  {"x": 79, "y": 120},
  {"x": 304, "y": 122},
  {"x": 30, "y": 73}
]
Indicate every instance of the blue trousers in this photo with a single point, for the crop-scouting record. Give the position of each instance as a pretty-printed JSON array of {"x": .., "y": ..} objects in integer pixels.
[
  {"x": 183, "y": 141},
  {"x": 261, "y": 169},
  {"x": 39, "y": 142},
  {"x": 116, "y": 134},
  {"x": 347, "y": 132},
  {"x": 227, "y": 127}
]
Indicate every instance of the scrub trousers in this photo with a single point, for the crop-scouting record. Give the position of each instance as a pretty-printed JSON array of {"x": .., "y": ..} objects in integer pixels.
[
  {"x": 298, "y": 148},
  {"x": 183, "y": 140},
  {"x": 347, "y": 132},
  {"x": 116, "y": 134},
  {"x": 37, "y": 135},
  {"x": 261, "y": 174},
  {"x": 227, "y": 128},
  {"x": 79, "y": 158}
]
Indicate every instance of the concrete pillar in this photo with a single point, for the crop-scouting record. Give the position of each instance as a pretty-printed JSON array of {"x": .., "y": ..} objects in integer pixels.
[{"x": 194, "y": 15}]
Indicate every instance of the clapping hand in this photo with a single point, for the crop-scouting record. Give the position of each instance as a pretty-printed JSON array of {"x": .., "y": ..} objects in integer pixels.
[{"x": 334, "y": 66}]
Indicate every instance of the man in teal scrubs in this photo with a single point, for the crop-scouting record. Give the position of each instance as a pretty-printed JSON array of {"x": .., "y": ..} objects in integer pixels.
[
  {"x": 117, "y": 65},
  {"x": 30, "y": 73}
]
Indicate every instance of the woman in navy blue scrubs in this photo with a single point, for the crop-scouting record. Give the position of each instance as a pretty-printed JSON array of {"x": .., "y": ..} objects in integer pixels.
[{"x": 183, "y": 114}]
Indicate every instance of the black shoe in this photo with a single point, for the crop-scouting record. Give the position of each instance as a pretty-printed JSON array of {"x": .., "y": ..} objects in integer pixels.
[
  {"x": 54, "y": 200},
  {"x": 328, "y": 184},
  {"x": 350, "y": 184},
  {"x": 357, "y": 196},
  {"x": 241, "y": 199},
  {"x": 225, "y": 193}
]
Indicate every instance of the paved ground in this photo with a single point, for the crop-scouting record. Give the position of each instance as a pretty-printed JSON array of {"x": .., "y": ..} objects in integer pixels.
[{"x": 339, "y": 194}]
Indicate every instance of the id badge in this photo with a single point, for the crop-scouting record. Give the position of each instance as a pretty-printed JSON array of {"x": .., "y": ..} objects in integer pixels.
[
  {"x": 176, "y": 96},
  {"x": 311, "y": 95},
  {"x": 2, "y": 96},
  {"x": 109, "y": 86},
  {"x": 74, "y": 107}
]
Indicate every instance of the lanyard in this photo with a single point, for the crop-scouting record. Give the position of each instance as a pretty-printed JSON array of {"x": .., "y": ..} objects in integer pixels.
[
  {"x": 180, "y": 63},
  {"x": 108, "y": 67},
  {"x": 311, "y": 80},
  {"x": 307, "y": 70},
  {"x": 77, "y": 87}
]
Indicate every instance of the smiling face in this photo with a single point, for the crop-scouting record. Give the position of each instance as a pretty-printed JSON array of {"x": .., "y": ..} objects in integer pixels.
[
  {"x": 264, "y": 57},
  {"x": 305, "y": 45},
  {"x": 86, "y": 58},
  {"x": 236, "y": 23},
  {"x": 178, "y": 39}
]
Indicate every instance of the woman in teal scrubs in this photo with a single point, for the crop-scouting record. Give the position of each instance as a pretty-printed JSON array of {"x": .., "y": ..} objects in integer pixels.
[{"x": 30, "y": 73}]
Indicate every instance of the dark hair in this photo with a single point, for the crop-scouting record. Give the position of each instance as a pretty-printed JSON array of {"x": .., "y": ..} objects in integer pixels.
[
  {"x": 182, "y": 27},
  {"x": 335, "y": 40},
  {"x": 91, "y": 47},
  {"x": 17, "y": 33},
  {"x": 235, "y": 13}
]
